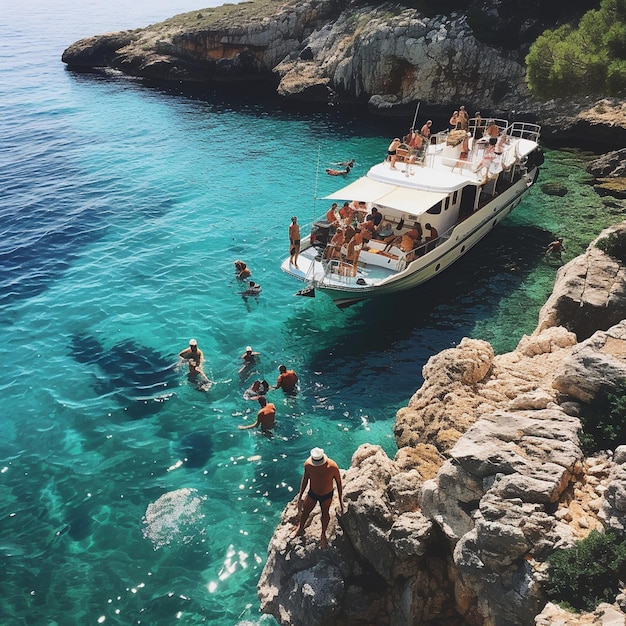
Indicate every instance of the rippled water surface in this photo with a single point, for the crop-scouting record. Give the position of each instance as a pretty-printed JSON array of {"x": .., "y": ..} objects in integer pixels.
[{"x": 122, "y": 210}]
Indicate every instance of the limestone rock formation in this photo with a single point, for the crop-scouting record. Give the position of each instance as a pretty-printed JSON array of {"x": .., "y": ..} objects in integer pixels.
[
  {"x": 610, "y": 173},
  {"x": 489, "y": 479},
  {"x": 385, "y": 57},
  {"x": 590, "y": 291}
]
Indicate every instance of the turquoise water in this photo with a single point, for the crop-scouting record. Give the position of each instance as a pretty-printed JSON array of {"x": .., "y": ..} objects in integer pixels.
[{"x": 122, "y": 211}]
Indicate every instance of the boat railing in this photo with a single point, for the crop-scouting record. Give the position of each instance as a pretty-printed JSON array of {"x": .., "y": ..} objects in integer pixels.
[{"x": 524, "y": 130}]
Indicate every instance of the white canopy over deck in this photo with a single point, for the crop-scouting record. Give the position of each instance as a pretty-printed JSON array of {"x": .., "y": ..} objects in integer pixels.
[{"x": 403, "y": 199}]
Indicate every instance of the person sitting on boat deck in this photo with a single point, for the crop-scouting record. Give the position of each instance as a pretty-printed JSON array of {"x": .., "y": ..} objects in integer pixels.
[
  {"x": 500, "y": 145},
  {"x": 242, "y": 271},
  {"x": 333, "y": 249},
  {"x": 354, "y": 250},
  {"x": 256, "y": 390},
  {"x": 192, "y": 352},
  {"x": 375, "y": 217},
  {"x": 265, "y": 418},
  {"x": 254, "y": 289},
  {"x": 346, "y": 212},
  {"x": 555, "y": 249},
  {"x": 463, "y": 119},
  {"x": 294, "y": 241},
  {"x": 425, "y": 130},
  {"x": 249, "y": 358},
  {"x": 414, "y": 235},
  {"x": 287, "y": 380},
  {"x": 392, "y": 152},
  {"x": 332, "y": 215}
]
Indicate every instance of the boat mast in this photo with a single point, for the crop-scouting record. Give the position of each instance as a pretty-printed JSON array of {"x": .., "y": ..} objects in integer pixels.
[{"x": 415, "y": 116}]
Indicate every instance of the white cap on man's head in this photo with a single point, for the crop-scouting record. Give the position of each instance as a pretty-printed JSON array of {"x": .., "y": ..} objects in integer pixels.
[
  {"x": 193, "y": 342},
  {"x": 318, "y": 457},
  {"x": 248, "y": 349}
]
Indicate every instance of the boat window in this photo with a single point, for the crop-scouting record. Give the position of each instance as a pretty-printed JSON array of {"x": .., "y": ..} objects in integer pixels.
[
  {"x": 435, "y": 210},
  {"x": 446, "y": 203},
  {"x": 455, "y": 197}
]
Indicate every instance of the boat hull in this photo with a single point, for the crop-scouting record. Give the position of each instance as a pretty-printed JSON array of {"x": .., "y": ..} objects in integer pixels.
[{"x": 463, "y": 238}]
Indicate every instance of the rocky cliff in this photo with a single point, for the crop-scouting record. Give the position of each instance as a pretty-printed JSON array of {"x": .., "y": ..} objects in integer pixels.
[
  {"x": 489, "y": 479},
  {"x": 386, "y": 57}
]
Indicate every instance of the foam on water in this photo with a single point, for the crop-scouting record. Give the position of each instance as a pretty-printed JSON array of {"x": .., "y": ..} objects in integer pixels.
[{"x": 122, "y": 213}]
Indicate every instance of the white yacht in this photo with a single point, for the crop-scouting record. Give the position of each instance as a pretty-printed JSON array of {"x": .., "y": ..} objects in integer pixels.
[{"x": 452, "y": 192}]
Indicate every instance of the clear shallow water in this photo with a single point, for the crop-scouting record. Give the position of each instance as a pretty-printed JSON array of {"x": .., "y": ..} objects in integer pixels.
[{"x": 122, "y": 210}]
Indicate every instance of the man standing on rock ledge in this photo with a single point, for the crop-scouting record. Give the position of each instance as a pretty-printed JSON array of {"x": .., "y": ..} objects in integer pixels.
[{"x": 320, "y": 471}]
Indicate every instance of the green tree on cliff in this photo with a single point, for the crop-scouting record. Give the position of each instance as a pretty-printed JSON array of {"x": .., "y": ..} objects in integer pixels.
[{"x": 589, "y": 59}]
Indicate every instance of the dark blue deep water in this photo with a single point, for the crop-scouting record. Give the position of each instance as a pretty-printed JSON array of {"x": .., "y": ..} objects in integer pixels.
[{"x": 127, "y": 496}]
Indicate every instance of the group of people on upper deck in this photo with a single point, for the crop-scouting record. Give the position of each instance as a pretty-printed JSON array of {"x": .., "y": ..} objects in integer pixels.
[{"x": 467, "y": 131}]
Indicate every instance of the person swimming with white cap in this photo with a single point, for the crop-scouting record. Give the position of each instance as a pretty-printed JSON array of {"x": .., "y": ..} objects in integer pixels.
[
  {"x": 249, "y": 358},
  {"x": 192, "y": 352}
]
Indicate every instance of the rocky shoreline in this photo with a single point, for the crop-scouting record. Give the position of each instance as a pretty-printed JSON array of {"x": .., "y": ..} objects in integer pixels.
[
  {"x": 382, "y": 58},
  {"x": 489, "y": 479}
]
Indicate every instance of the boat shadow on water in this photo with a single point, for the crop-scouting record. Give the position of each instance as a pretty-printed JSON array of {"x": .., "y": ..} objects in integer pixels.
[{"x": 389, "y": 334}]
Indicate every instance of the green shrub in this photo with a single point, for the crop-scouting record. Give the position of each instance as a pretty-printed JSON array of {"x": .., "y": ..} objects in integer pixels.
[
  {"x": 587, "y": 59},
  {"x": 604, "y": 420},
  {"x": 589, "y": 572},
  {"x": 614, "y": 244}
]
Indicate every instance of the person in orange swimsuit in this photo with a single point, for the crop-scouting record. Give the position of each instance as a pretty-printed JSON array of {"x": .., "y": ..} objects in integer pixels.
[{"x": 319, "y": 473}]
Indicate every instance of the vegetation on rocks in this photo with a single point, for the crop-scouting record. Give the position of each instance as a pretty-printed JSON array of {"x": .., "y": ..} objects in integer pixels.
[
  {"x": 614, "y": 244},
  {"x": 588, "y": 573},
  {"x": 587, "y": 59},
  {"x": 604, "y": 423}
]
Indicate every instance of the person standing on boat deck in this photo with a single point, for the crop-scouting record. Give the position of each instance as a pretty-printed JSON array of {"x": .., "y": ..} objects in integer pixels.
[
  {"x": 287, "y": 380},
  {"x": 492, "y": 132},
  {"x": 294, "y": 241},
  {"x": 432, "y": 235},
  {"x": 454, "y": 120},
  {"x": 463, "y": 119},
  {"x": 320, "y": 472},
  {"x": 479, "y": 128},
  {"x": 265, "y": 418},
  {"x": 242, "y": 271},
  {"x": 392, "y": 152},
  {"x": 192, "y": 352},
  {"x": 425, "y": 131},
  {"x": 354, "y": 249},
  {"x": 464, "y": 152}
]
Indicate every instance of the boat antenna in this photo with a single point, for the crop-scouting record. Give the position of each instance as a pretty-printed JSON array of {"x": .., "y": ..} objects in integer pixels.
[{"x": 415, "y": 116}]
